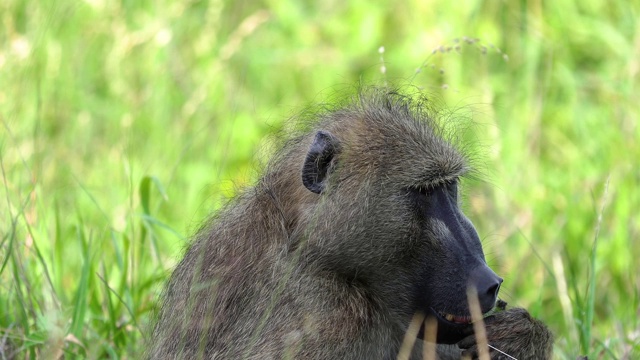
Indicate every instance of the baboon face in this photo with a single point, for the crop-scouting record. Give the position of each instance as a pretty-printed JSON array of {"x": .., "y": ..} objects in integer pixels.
[{"x": 387, "y": 219}]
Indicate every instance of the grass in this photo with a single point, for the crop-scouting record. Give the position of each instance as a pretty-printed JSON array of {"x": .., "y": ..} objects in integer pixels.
[{"x": 125, "y": 123}]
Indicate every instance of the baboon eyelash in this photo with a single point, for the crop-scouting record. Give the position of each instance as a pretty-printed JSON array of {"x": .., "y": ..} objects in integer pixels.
[
  {"x": 425, "y": 190},
  {"x": 428, "y": 189}
]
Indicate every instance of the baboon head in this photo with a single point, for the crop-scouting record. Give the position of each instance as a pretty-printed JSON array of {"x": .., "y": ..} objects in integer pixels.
[
  {"x": 353, "y": 229},
  {"x": 382, "y": 212}
]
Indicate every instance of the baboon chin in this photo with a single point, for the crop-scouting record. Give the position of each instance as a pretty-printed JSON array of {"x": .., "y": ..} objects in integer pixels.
[{"x": 353, "y": 228}]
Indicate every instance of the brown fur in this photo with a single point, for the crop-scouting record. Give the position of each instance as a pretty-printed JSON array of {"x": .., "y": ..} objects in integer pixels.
[
  {"x": 515, "y": 333},
  {"x": 336, "y": 272}
]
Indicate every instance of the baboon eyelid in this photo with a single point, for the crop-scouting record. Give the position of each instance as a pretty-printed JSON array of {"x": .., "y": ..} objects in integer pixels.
[{"x": 431, "y": 185}]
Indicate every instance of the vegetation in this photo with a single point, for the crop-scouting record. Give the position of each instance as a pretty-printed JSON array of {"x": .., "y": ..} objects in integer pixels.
[{"x": 125, "y": 123}]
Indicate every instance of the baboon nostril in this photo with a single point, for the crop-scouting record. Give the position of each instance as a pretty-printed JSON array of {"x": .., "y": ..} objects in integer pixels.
[
  {"x": 488, "y": 285},
  {"x": 495, "y": 289}
]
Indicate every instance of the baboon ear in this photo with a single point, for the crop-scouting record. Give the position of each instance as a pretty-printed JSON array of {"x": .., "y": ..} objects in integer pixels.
[{"x": 318, "y": 161}]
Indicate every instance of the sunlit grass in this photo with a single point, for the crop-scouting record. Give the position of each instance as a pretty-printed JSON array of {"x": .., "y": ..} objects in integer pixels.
[{"x": 125, "y": 124}]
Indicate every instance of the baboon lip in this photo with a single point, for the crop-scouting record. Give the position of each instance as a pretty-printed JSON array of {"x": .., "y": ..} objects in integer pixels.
[
  {"x": 460, "y": 319},
  {"x": 456, "y": 319},
  {"x": 449, "y": 328}
]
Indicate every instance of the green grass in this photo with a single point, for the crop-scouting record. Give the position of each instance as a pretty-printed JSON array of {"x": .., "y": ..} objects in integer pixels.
[{"x": 123, "y": 124}]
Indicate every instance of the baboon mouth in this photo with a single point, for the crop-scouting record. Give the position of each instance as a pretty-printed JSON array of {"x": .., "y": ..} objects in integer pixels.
[
  {"x": 456, "y": 319},
  {"x": 450, "y": 328},
  {"x": 462, "y": 319}
]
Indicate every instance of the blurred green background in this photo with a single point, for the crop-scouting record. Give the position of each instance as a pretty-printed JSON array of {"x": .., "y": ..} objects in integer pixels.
[{"x": 125, "y": 123}]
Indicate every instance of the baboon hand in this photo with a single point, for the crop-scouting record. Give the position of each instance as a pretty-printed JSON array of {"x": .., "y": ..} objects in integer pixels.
[{"x": 511, "y": 334}]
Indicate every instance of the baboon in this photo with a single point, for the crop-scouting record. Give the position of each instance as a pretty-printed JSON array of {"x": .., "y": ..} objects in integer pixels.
[{"x": 353, "y": 228}]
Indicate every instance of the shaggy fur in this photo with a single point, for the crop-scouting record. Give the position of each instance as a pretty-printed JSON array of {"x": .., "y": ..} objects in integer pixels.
[{"x": 352, "y": 229}]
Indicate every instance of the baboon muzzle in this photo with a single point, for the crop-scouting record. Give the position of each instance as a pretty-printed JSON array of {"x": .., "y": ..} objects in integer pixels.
[
  {"x": 463, "y": 244},
  {"x": 462, "y": 255}
]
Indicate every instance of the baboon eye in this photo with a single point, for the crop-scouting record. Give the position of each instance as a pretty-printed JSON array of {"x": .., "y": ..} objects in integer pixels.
[
  {"x": 420, "y": 195},
  {"x": 452, "y": 187},
  {"x": 425, "y": 190}
]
